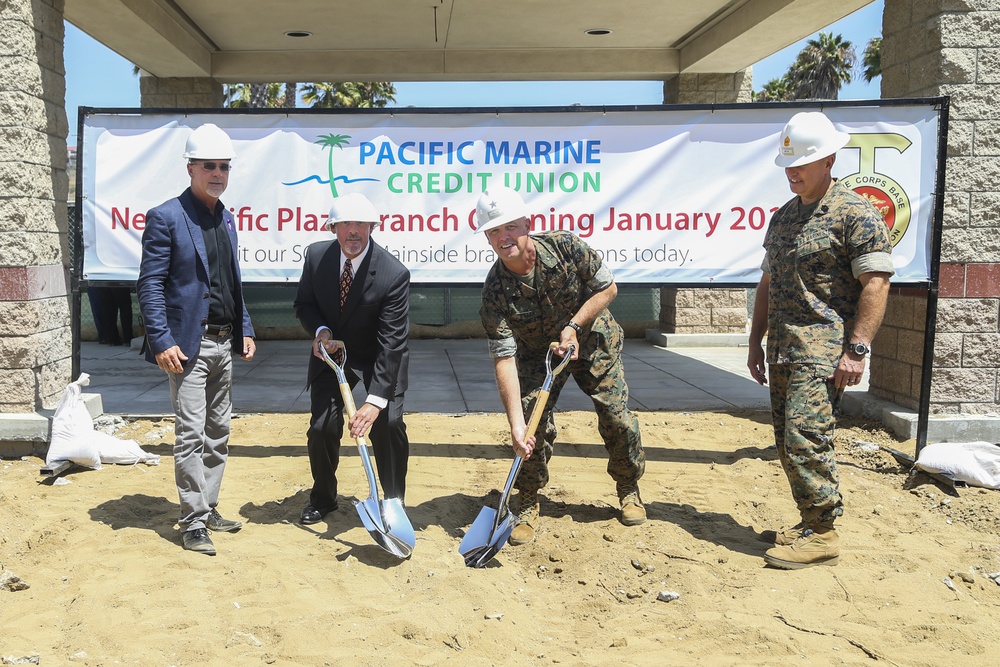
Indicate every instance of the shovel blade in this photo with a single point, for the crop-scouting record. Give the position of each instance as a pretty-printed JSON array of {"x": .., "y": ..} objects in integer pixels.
[
  {"x": 398, "y": 524},
  {"x": 483, "y": 541},
  {"x": 376, "y": 525}
]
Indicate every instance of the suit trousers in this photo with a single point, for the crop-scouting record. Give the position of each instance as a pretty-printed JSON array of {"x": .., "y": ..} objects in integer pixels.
[
  {"x": 326, "y": 427},
  {"x": 202, "y": 402}
]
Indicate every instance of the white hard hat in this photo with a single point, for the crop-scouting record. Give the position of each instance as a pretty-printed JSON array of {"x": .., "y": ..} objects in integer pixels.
[
  {"x": 353, "y": 207},
  {"x": 809, "y": 136},
  {"x": 208, "y": 142},
  {"x": 497, "y": 206}
]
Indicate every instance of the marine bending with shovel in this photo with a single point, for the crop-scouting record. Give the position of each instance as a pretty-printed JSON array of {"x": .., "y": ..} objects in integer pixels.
[{"x": 546, "y": 287}]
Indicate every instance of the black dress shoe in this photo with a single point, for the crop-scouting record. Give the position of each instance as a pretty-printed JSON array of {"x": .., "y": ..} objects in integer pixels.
[
  {"x": 217, "y": 524},
  {"x": 197, "y": 540},
  {"x": 311, "y": 514}
]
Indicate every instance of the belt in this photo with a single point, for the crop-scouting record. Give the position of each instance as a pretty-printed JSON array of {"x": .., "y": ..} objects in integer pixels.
[{"x": 220, "y": 330}]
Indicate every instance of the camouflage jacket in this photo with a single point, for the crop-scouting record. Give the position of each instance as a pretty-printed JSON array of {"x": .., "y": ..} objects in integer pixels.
[
  {"x": 522, "y": 319},
  {"x": 814, "y": 262}
]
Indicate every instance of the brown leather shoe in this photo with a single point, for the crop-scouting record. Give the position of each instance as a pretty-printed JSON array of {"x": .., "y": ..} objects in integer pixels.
[
  {"x": 633, "y": 511},
  {"x": 527, "y": 519},
  {"x": 817, "y": 545}
]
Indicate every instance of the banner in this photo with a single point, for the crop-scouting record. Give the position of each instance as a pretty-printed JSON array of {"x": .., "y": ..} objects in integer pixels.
[{"x": 664, "y": 195}]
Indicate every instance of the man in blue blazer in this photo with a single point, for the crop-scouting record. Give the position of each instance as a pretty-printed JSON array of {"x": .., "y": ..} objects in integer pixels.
[
  {"x": 355, "y": 291},
  {"x": 192, "y": 306}
]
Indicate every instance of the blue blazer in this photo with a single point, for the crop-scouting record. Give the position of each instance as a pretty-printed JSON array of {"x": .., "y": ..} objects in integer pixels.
[{"x": 173, "y": 284}]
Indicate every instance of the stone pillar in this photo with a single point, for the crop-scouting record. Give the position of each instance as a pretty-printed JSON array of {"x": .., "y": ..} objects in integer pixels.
[
  {"x": 709, "y": 88},
  {"x": 701, "y": 311},
  {"x": 179, "y": 93},
  {"x": 716, "y": 310},
  {"x": 35, "y": 334},
  {"x": 949, "y": 47},
  {"x": 897, "y": 352}
]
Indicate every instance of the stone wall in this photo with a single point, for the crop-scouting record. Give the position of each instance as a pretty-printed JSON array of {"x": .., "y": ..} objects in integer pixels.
[
  {"x": 897, "y": 357},
  {"x": 952, "y": 47},
  {"x": 700, "y": 311},
  {"x": 709, "y": 88},
  {"x": 35, "y": 334},
  {"x": 176, "y": 93}
]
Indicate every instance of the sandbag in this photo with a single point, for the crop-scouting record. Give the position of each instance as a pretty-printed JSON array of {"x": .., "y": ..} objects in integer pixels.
[
  {"x": 123, "y": 452},
  {"x": 75, "y": 439},
  {"x": 72, "y": 437},
  {"x": 975, "y": 463}
]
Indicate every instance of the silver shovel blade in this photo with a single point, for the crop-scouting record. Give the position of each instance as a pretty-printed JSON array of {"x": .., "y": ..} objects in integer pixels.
[
  {"x": 371, "y": 517},
  {"x": 483, "y": 541},
  {"x": 398, "y": 523}
]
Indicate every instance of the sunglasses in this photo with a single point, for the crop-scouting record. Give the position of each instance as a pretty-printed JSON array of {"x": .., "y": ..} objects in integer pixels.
[{"x": 212, "y": 166}]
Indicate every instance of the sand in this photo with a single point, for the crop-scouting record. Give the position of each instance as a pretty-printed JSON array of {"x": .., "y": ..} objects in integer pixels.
[{"x": 110, "y": 583}]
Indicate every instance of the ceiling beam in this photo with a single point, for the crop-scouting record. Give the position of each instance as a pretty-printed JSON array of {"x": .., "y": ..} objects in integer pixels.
[
  {"x": 450, "y": 65},
  {"x": 145, "y": 33},
  {"x": 758, "y": 29}
]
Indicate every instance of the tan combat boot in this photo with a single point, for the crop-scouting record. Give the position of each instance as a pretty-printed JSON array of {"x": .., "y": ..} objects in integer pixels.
[
  {"x": 527, "y": 519},
  {"x": 783, "y": 537},
  {"x": 817, "y": 545},
  {"x": 633, "y": 512}
]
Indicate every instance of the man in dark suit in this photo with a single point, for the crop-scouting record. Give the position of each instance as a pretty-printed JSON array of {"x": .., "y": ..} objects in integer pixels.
[
  {"x": 355, "y": 291},
  {"x": 191, "y": 300}
]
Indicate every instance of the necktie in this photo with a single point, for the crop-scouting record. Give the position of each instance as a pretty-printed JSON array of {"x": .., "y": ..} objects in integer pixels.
[{"x": 346, "y": 278}]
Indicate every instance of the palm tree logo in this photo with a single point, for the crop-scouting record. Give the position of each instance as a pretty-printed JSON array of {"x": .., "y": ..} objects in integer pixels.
[{"x": 332, "y": 141}]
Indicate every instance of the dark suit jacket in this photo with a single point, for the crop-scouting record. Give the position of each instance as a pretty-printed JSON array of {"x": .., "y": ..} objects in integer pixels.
[
  {"x": 374, "y": 324},
  {"x": 173, "y": 279}
]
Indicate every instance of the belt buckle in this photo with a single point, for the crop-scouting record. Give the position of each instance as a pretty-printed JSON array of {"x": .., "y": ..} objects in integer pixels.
[{"x": 219, "y": 331}]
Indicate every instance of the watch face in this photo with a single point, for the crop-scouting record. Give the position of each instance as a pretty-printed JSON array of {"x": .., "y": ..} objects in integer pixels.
[{"x": 860, "y": 348}]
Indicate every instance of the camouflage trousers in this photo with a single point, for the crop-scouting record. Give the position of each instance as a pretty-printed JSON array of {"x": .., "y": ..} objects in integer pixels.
[
  {"x": 804, "y": 408},
  {"x": 616, "y": 424}
]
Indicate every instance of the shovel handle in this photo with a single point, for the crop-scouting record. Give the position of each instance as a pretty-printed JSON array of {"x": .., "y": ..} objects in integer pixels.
[
  {"x": 348, "y": 396},
  {"x": 536, "y": 416}
]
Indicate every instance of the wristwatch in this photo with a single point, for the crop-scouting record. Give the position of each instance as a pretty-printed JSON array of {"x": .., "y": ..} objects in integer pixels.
[
  {"x": 859, "y": 348},
  {"x": 575, "y": 327}
]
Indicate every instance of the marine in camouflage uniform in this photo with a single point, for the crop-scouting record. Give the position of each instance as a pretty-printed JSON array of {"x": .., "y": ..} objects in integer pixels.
[
  {"x": 821, "y": 298},
  {"x": 523, "y": 315},
  {"x": 814, "y": 255}
]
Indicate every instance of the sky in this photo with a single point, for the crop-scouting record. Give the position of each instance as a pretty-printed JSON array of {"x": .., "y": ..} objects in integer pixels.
[{"x": 98, "y": 77}]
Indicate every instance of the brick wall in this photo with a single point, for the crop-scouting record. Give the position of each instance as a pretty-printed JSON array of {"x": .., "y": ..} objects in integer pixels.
[{"x": 951, "y": 47}]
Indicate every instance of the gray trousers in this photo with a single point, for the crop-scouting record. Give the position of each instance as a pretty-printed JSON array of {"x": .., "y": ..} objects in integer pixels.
[{"x": 202, "y": 401}]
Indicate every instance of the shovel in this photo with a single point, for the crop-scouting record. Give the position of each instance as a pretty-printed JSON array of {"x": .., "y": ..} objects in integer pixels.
[
  {"x": 385, "y": 519},
  {"x": 489, "y": 532}
]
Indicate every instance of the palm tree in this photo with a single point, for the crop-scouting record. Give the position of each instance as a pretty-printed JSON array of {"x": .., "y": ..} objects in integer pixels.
[
  {"x": 258, "y": 95},
  {"x": 252, "y": 95},
  {"x": 291, "y": 95},
  {"x": 822, "y": 67},
  {"x": 775, "y": 90},
  {"x": 367, "y": 95},
  {"x": 332, "y": 141},
  {"x": 351, "y": 94},
  {"x": 871, "y": 59},
  {"x": 319, "y": 95}
]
